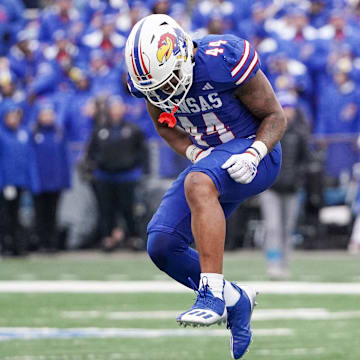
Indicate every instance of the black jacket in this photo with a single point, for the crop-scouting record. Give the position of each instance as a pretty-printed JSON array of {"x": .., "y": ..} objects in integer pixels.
[
  {"x": 117, "y": 148},
  {"x": 295, "y": 156}
]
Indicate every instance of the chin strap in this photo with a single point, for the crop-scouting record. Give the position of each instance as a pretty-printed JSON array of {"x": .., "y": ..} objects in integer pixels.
[{"x": 167, "y": 118}]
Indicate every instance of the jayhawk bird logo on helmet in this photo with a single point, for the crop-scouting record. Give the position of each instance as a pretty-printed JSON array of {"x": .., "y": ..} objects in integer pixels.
[{"x": 167, "y": 45}]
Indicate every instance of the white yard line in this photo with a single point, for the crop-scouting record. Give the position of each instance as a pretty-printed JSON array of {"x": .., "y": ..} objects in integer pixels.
[
  {"x": 22, "y": 333},
  {"x": 289, "y": 353},
  {"x": 258, "y": 315},
  {"x": 169, "y": 287},
  {"x": 303, "y": 314}
]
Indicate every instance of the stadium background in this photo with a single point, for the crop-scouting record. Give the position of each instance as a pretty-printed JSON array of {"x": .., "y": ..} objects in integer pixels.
[{"x": 69, "y": 63}]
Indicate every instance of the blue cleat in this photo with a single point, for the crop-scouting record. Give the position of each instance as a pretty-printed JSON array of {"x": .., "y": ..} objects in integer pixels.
[
  {"x": 238, "y": 321},
  {"x": 206, "y": 311}
]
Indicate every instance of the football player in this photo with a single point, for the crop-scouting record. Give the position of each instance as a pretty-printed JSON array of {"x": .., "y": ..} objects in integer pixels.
[{"x": 211, "y": 102}]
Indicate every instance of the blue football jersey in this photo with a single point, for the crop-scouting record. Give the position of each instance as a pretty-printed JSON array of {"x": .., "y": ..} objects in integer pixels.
[{"x": 210, "y": 114}]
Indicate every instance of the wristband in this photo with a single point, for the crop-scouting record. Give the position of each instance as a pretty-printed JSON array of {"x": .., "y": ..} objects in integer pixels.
[
  {"x": 259, "y": 148},
  {"x": 192, "y": 151}
]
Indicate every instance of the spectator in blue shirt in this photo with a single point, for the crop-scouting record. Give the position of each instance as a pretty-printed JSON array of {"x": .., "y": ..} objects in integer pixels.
[
  {"x": 52, "y": 71},
  {"x": 14, "y": 175},
  {"x": 292, "y": 76},
  {"x": 138, "y": 9},
  {"x": 78, "y": 207},
  {"x": 11, "y": 21},
  {"x": 159, "y": 6},
  {"x": 24, "y": 56},
  {"x": 45, "y": 81},
  {"x": 336, "y": 41},
  {"x": 80, "y": 112},
  {"x": 105, "y": 79},
  {"x": 253, "y": 27},
  {"x": 62, "y": 16},
  {"x": 10, "y": 89},
  {"x": 353, "y": 13},
  {"x": 338, "y": 120},
  {"x": 229, "y": 11},
  {"x": 298, "y": 38},
  {"x": 318, "y": 12},
  {"x": 95, "y": 11},
  {"x": 337, "y": 32},
  {"x": 106, "y": 39},
  {"x": 50, "y": 164},
  {"x": 104, "y": 7}
]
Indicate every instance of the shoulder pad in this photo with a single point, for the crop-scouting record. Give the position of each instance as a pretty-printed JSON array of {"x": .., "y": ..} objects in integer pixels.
[{"x": 230, "y": 59}]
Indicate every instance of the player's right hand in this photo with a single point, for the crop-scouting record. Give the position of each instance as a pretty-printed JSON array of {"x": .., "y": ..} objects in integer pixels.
[{"x": 242, "y": 168}]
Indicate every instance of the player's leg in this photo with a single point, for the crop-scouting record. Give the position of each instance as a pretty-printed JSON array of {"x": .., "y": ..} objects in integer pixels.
[
  {"x": 207, "y": 220},
  {"x": 271, "y": 209},
  {"x": 172, "y": 254},
  {"x": 208, "y": 186},
  {"x": 171, "y": 251},
  {"x": 208, "y": 228},
  {"x": 354, "y": 244},
  {"x": 240, "y": 301},
  {"x": 107, "y": 201},
  {"x": 290, "y": 211},
  {"x": 170, "y": 237}
]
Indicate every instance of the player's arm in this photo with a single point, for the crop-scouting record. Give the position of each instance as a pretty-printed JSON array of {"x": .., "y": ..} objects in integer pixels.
[
  {"x": 176, "y": 137},
  {"x": 259, "y": 97}
]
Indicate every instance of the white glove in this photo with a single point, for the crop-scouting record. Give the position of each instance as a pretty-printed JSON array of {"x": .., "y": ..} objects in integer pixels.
[
  {"x": 243, "y": 167},
  {"x": 195, "y": 154}
]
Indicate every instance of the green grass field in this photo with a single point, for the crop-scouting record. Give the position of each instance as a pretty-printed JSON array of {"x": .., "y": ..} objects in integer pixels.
[{"x": 302, "y": 327}]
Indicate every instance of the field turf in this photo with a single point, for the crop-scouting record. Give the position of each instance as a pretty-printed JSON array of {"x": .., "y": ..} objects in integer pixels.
[{"x": 319, "y": 326}]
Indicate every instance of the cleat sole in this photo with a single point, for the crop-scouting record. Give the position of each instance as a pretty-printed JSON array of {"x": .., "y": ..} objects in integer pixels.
[{"x": 196, "y": 324}]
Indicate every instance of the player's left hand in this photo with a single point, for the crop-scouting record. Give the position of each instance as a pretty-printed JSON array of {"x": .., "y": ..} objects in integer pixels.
[
  {"x": 195, "y": 154},
  {"x": 242, "y": 167}
]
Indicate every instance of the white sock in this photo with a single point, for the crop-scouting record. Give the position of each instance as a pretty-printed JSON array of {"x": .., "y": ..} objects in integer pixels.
[
  {"x": 231, "y": 295},
  {"x": 215, "y": 282}
]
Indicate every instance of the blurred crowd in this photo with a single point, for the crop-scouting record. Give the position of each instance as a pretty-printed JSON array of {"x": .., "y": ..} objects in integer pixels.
[{"x": 65, "y": 109}]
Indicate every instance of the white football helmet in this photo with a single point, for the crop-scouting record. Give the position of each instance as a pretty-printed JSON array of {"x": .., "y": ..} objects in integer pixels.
[{"x": 159, "y": 58}]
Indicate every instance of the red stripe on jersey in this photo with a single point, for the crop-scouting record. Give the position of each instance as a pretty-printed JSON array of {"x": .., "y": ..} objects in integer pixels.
[
  {"x": 250, "y": 70},
  {"x": 243, "y": 60}
]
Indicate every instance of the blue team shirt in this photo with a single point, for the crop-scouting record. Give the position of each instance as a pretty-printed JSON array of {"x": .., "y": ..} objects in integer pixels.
[{"x": 210, "y": 114}]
